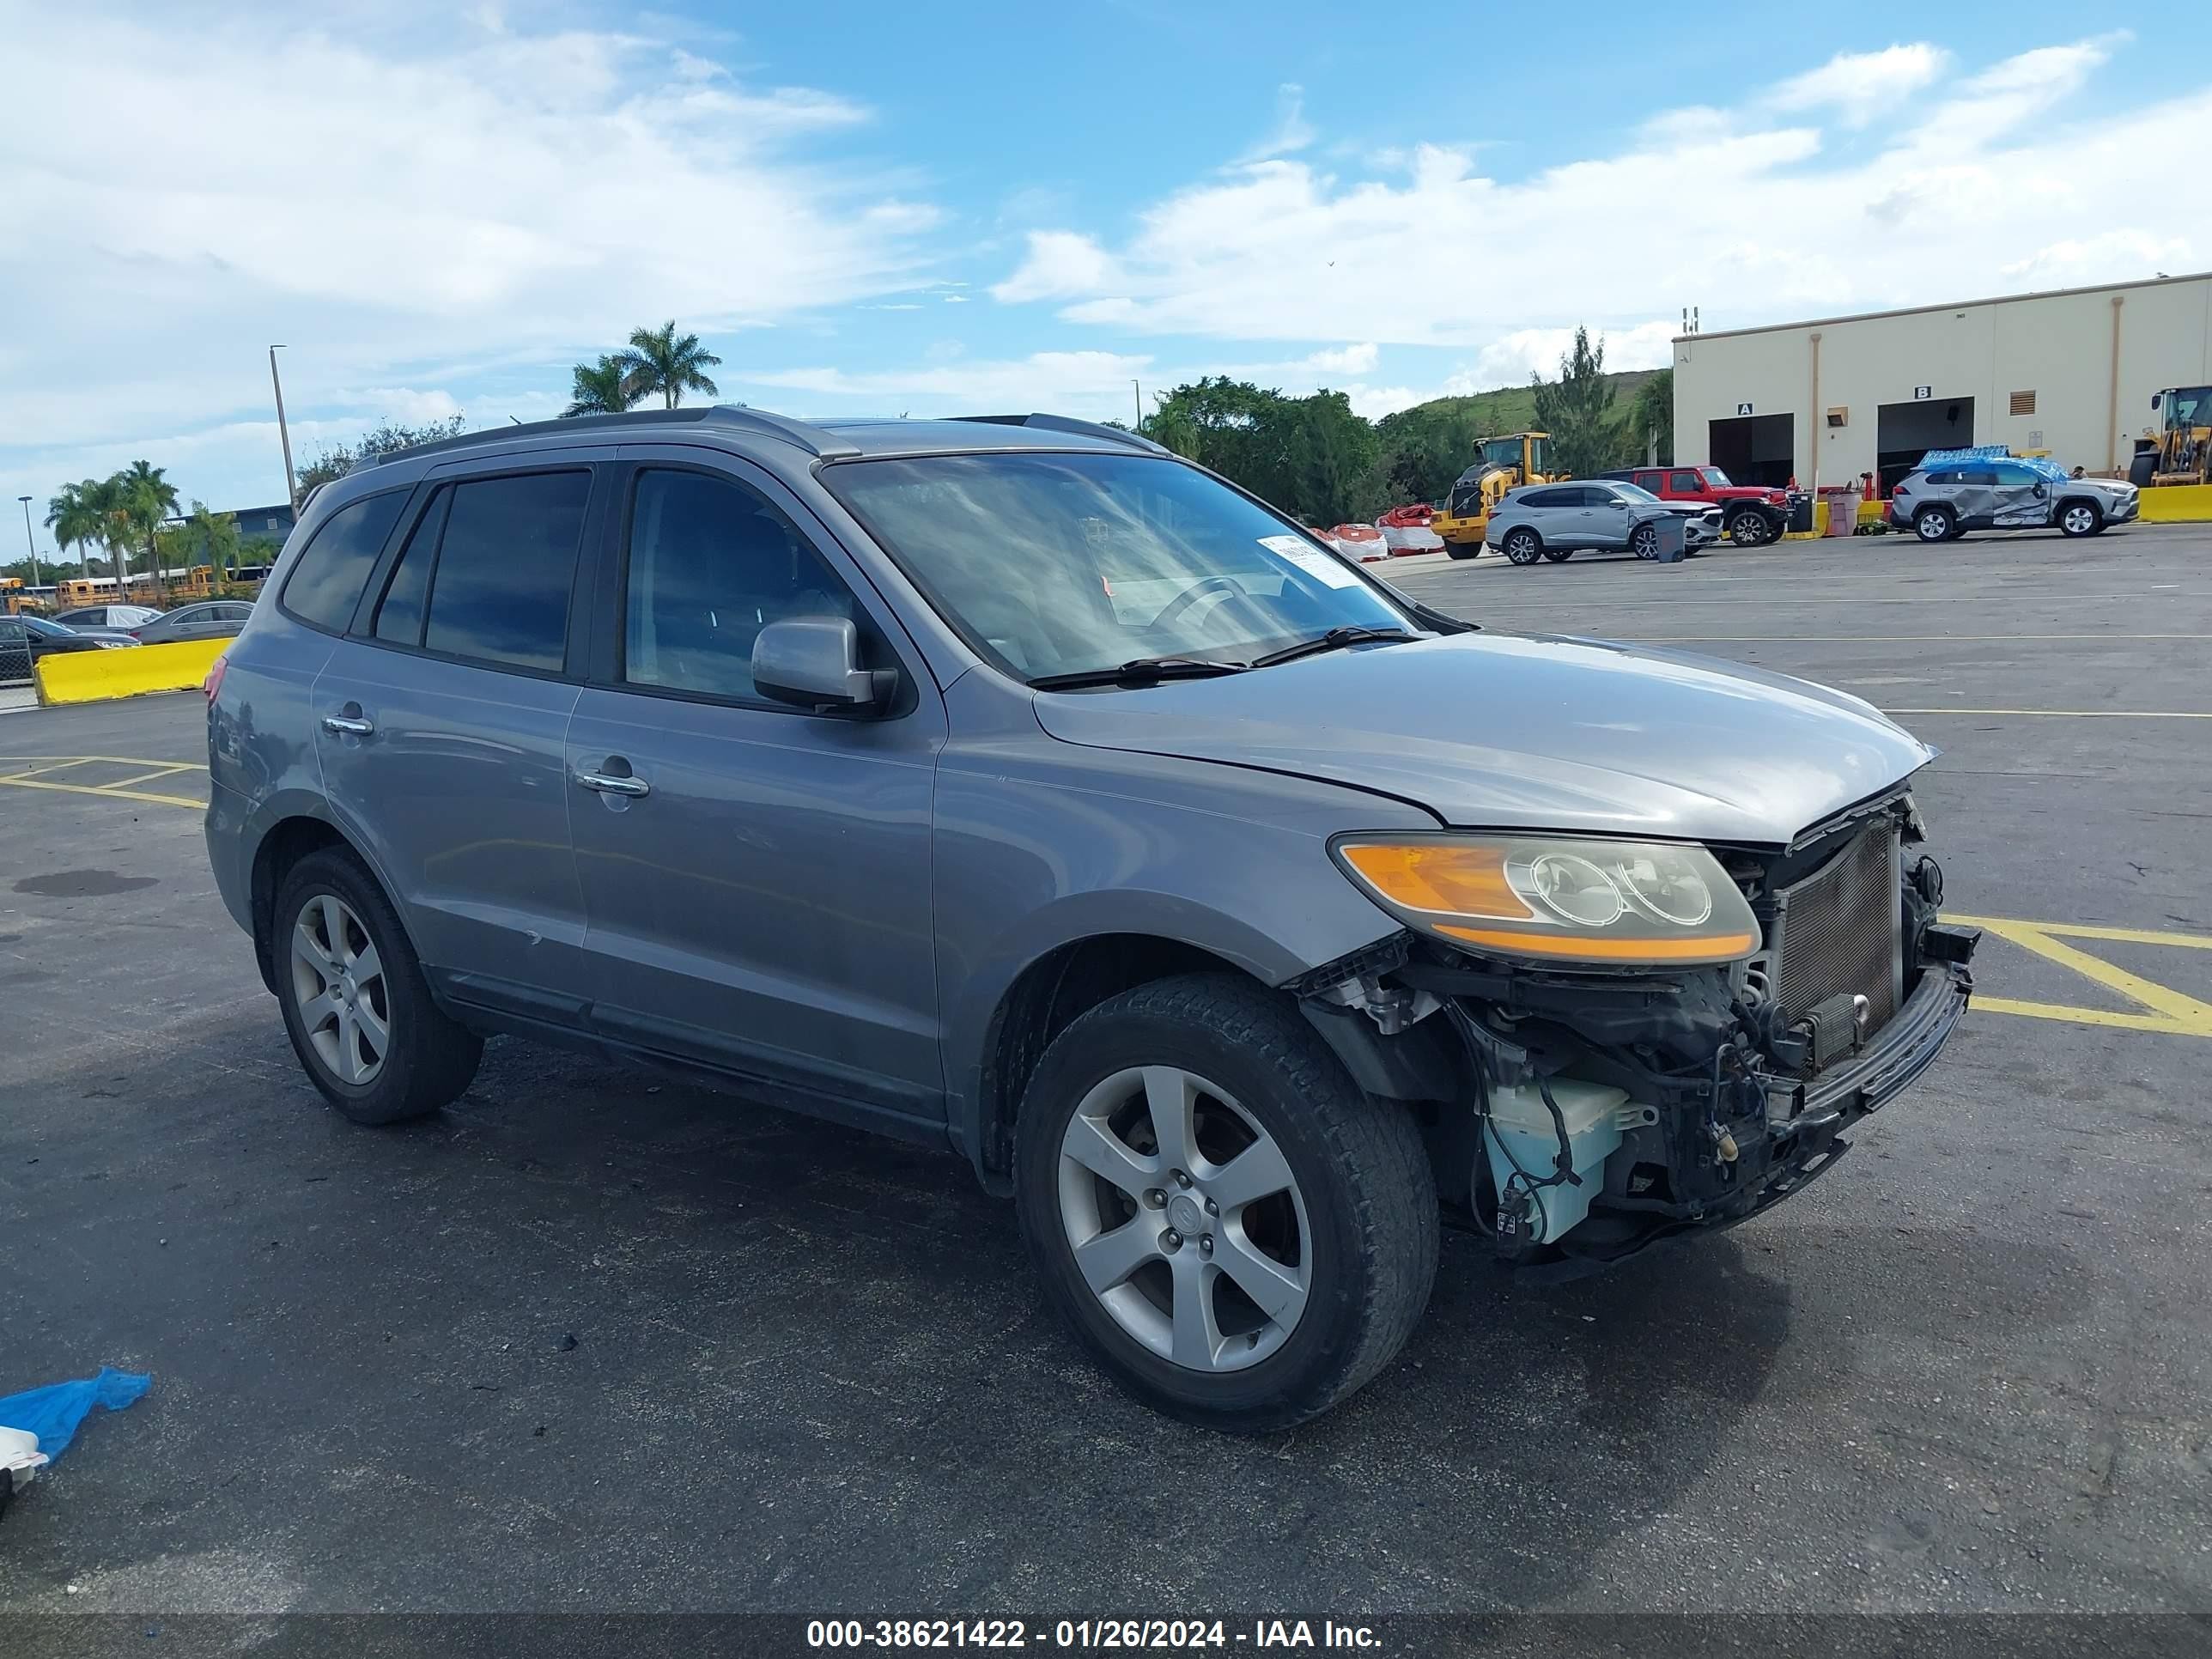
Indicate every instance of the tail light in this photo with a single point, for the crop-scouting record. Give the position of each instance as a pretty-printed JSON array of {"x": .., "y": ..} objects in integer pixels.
[{"x": 213, "y": 683}]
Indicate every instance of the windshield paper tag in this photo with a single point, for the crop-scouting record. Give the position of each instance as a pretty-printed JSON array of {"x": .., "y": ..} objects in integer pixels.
[{"x": 1311, "y": 560}]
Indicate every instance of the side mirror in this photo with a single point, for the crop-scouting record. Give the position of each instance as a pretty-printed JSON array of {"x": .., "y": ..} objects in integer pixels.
[{"x": 814, "y": 662}]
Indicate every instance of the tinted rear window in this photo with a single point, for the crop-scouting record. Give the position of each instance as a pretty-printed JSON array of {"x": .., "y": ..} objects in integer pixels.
[
  {"x": 505, "y": 566},
  {"x": 325, "y": 585}
]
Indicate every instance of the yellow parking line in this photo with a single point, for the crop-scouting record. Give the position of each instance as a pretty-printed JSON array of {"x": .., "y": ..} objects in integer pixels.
[
  {"x": 2168, "y": 1009},
  {"x": 120, "y": 760},
  {"x": 39, "y": 771},
  {"x": 170, "y": 770},
  {"x": 2090, "y": 930},
  {"x": 2069, "y": 714},
  {"x": 112, "y": 794}
]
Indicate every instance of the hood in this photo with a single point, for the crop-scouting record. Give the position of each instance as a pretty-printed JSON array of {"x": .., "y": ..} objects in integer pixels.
[{"x": 1528, "y": 731}]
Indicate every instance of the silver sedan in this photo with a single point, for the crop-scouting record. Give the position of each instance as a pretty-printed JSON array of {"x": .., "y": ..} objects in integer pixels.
[{"x": 1554, "y": 521}]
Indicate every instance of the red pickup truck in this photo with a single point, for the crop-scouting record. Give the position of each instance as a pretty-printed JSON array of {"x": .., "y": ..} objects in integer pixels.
[{"x": 1751, "y": 515}]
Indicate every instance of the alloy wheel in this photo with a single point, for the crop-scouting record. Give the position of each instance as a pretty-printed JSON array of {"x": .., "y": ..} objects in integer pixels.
[
  {"x": 338, "y": 986},
  {"x": 1185, "y": 1219},
  {"x": 1749, "y": 529},
  {"x": 2078, "y": 520},
  {"x": 1645, "y": 543}
]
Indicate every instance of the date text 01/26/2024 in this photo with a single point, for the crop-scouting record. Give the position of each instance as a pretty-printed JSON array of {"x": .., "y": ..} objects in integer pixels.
[{"x": 1086, "y": 1635}]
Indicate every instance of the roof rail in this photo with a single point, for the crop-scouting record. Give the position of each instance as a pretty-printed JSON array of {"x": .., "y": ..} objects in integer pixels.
[
  {"x": 812, "y": 439},
  {"x": 1078, "y": 428}
]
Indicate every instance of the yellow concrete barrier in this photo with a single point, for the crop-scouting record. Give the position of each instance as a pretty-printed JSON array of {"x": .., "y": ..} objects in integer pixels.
[
  {"x": 2178, "y": 504},
  {"x": 96, "y": 676}
]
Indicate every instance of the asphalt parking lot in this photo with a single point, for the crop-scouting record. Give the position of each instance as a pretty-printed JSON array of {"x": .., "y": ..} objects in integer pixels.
[{"x": 597, "y": 1340}]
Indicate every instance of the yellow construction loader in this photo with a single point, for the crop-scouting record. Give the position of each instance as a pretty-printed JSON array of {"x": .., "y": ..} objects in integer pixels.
[
  {"x": 1500, "y": 465},
  {"x": 2177, "y": 448}
]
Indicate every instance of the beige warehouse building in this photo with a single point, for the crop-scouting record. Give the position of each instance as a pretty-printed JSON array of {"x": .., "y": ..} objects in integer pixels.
[{"x": 2070, "y": 371}]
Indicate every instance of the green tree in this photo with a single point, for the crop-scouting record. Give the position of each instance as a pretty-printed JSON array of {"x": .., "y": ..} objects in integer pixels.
[
  {"x": 110, "y": 504},
  {"x": 661, "y": 359},
  {"x": 605, "y": 387},
  {"x": 1233, "y": 427},
  {"x": 1652, "y": 413},
  {"x": 147, "y": 498},
  {"x": 76, "y": 522},
  {"x": 1577, "y": 410},
  {"x": 1332, "y": 461},
  {"x": 335, "y": 460},
  {"x": 1426, "y": 448},
  {"x": 212, "y": 537}
]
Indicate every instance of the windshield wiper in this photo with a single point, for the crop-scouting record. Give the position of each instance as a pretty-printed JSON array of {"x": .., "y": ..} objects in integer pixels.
[
  {"x": 1139, "y": 671},
  {"x": 1335, "y": 639}
]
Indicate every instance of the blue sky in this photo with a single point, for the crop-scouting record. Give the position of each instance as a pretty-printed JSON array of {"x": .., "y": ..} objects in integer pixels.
[{"x": 874, "y": 208}]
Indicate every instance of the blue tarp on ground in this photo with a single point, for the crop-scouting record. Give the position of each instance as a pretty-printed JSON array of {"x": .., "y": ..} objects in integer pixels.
[{"x": 53, "y": 1412}]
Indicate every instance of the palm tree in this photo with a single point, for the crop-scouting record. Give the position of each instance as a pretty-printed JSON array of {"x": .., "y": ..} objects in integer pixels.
[
  {"x": 603, "y": 388},
  {"x": 659, "y": 359},
  {"x": 109, "y": 503},
  {"x": 215, "y": 537},
  {"x": 147, "y": 498},
  {"x": 75, "y": 522}
]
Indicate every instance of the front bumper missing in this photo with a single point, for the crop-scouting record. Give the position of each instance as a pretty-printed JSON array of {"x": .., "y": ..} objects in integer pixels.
[{"x": 1806, "y": 1120}]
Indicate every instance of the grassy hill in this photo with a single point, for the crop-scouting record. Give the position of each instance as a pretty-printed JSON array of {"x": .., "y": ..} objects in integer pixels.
[{"x": 1513, "y": 408}]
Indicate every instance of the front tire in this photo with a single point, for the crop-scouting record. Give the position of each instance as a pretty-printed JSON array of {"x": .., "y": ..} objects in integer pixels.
[
  {"x": 1644, "y": 541},
  {"x": 1748, "y": 529},
  {"x": 1238, "y": 1234},
  {"x": 355, "y": 1004},
  {"x": 1933, "y": 524},
  {"x": 1523, "y": 546},
  {"x": 2077, "y": 518},
  {"x": 1463, "y": 549},
  {"x": 1559, "y": 554}
]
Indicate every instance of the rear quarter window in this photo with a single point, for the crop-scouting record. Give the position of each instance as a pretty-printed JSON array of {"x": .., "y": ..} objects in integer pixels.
[{"x": 325, "y": 585}]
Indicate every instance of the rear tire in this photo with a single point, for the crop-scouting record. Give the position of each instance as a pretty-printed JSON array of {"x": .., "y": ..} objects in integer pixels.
[
  {"x": 355, "y": 1004},
  {"x": 1523, "y": 546},
  {"x": 1935, "y": 524},
  {"x": 1340, "y": 1202},
  {"x": 1559, "y": 554}
]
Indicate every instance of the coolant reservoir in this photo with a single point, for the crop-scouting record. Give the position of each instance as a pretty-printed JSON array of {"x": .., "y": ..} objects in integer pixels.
[{"x": 1520, "y": 1120}]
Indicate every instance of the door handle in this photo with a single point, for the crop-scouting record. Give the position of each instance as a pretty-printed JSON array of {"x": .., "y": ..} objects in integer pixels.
[
  {"x": 604, "y": 784},
  {"x": 347, "y": 725}
]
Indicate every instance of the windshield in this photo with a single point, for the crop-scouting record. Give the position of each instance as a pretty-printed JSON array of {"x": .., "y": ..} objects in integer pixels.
[
  {"x": 1634, "y": 492},
  {"x": 1715, "y": 478},
  {"x": 1059, "y": 564}
]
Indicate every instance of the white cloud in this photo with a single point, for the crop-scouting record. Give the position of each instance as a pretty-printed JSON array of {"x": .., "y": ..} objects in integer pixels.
[
  {"x": 1511, "y": 360},
  {"x": 1979, "y": 175},
  {"x": 504, "y": 194},
  {"x": 1060, "y": 263},
  {"x": 1352, "y": 359},
  {"x": 1095, "y": 383},
  {"x": 1860, "y": 85},
  {"x": 1292, "y": 131}
]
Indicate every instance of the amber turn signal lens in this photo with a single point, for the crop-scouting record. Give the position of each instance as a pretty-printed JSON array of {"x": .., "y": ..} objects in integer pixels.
[
  {"x": 1456, "y": 880},
  {"x": 1582, "y": 947}
]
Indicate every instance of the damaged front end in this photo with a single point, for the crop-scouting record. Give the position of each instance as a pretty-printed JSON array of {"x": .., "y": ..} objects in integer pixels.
[{"x": 1579, "y": 1113}]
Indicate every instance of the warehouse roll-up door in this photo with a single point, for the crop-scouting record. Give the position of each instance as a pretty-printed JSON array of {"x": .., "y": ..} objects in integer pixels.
[
  {"x": 1754, "y": 449},
  {"x": 1906, "y": 432}
]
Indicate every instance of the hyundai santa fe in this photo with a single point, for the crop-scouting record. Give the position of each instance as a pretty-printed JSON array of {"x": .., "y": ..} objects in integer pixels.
[{"x": 1014, "y": 786}]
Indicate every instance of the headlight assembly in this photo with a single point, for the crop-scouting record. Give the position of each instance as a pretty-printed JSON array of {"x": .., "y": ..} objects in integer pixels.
[{"x": 1560, "y": 899}]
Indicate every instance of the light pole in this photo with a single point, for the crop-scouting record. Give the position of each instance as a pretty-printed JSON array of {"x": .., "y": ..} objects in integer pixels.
[
  {"x": 27, "y": 542},
  {"x": 1139, "y": 392},
  {"x": 283, "y": 434}
]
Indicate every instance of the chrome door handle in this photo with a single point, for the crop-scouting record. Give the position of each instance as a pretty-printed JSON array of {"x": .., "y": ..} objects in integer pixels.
[
  {"x": 347, "y": 725},
  {"x": 606, "y": 785}
]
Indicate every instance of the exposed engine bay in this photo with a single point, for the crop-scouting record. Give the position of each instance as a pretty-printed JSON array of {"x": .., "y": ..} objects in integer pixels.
[{"x": 1579, "y": 1114}]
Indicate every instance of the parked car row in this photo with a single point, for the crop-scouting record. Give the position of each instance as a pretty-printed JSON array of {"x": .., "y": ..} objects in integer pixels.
[{"x": 142, "y": 624}]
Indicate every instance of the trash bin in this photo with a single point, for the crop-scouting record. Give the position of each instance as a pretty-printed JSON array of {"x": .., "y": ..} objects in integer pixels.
[
  {"x": 1843, "y": 501},
  {"x": 1800, "y": 512},
  {"x": 1673, "y": 539}
]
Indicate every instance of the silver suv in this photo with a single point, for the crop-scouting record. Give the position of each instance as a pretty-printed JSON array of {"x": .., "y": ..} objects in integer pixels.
[
  {"x": 1014, "y": 786},
  {"x": 1942, "y": 503},
  {"x": 1554, "y": 521}
]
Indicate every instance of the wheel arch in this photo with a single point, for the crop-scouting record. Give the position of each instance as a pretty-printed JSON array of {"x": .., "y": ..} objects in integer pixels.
[
  {"x": 1049, "y": 992},
  {"x": 288, "y": 837}
]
